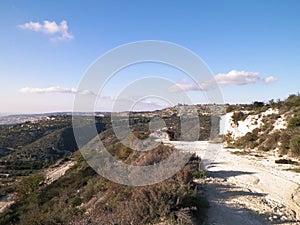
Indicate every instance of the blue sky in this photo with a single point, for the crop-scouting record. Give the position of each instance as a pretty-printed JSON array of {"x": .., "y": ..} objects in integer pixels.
[{"x": 251, "y": 47}]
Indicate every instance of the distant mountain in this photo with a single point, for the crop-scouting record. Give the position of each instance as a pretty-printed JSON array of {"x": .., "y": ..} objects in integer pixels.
[
  {"x": 4, "y": 114},
  {"x": 6, "y": 119},
  {"x": 17, "y": 119}
]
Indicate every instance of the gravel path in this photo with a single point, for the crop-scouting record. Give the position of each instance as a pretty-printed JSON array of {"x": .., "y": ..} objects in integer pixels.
[{"x": 248, "y": 190}]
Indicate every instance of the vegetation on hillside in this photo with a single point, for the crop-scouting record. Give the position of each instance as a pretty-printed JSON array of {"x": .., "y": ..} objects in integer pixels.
[
  {"x": 265, "y": 138},
  {"x": 81, "y": 196}
]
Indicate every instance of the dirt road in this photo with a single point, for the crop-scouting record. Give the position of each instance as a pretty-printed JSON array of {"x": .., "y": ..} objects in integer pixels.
[{"x": 248, "y": 190}]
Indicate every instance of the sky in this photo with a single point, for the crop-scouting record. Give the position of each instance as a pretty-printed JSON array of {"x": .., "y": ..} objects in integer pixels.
[{"x": 251, "y": 48}]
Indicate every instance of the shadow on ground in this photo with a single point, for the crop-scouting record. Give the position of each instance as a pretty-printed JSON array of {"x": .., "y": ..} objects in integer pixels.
[{"x": 221, "y": 213}]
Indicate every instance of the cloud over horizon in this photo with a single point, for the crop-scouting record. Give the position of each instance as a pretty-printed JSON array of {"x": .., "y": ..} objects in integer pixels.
[
  {"x": 235, "y": 77},
  {"x": 185, "y": 85},
  {"x": 232, "y": 78},
  {"x": 50, "y": 28},
  {"x": 55, "y": 90}
]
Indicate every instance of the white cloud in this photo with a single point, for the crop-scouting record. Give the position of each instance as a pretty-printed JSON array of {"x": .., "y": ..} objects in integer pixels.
[
  {"x": 135, "y": 104},
  {"x": 185, "y": 85},
  {"x": 233, "y": 77},
  {"x": 57, "y": 90},
  {"x": 50, "y": 28},
  {"x": 270, "y": 79}
]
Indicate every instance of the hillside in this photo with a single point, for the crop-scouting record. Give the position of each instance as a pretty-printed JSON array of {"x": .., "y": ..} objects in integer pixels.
[
  {"x": 272, "y": 127},
  {"x": 43, "y": 174},
  {"x": 33, "y": 145},
  {"x": 83, "y": 197}
]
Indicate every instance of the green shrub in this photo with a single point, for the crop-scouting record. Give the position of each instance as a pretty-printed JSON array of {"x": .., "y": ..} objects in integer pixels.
[
  {"x": 75, "y": 201},
  {"x": 295, "y": 145},
  {"x": 229, "y": 108},
  {"x": 250, "y": 137},
  {"x": 257, "y": 104},
  {"x": 256, "y": 130},
  {"x": 272, "y": 140},
  {"x": 285, "y": 143},
  {"x": 30, "y": 184},
  {"x": 199, "y": 174},
  {"x": 238, "y": 116},
  {"x": 294, "y": 122},
  {"x": 263, "y": 148},
  {"x": 249, "y": 140},
  {"x": 253, "y": 144}
]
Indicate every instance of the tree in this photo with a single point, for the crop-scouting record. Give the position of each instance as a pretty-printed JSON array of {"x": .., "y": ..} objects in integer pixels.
[
  {"x": 257, "y": 104},
  {"x": 272, "y": 103}
]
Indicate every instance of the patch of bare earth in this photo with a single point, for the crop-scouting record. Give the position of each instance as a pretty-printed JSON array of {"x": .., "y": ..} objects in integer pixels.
[
  {"x": 5, "y": 202},
  {"x": 56, "y": 172}
]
